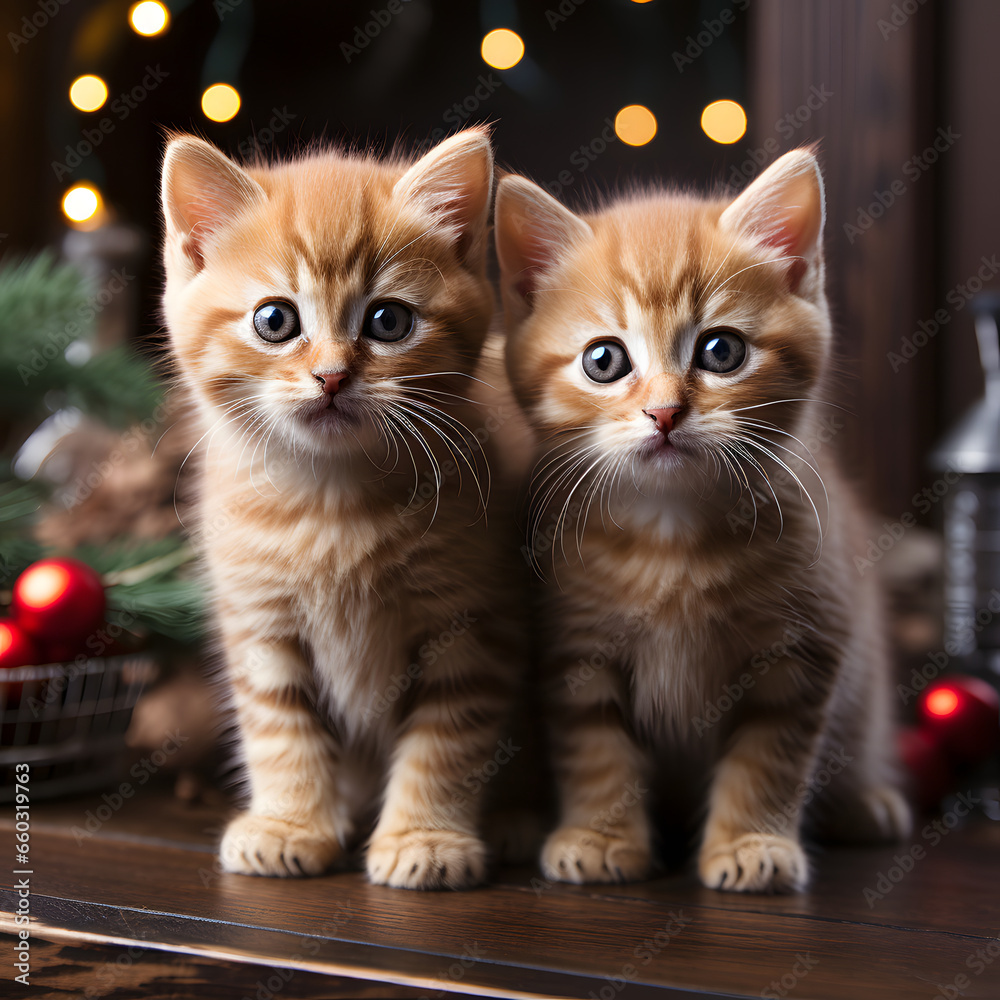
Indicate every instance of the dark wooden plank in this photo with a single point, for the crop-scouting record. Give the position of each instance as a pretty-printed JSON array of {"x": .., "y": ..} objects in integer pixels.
[
  {"x": 947, "y": 891},
  {"x": 944, "y": 890},
  {"x": 62, "y": 970},
  {"x": 563, "y": 942}
]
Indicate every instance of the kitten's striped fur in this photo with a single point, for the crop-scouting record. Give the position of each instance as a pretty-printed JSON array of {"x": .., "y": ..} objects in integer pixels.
[
  {"x": 664, "y": 581},
  {"x": 363, "y": 606}
]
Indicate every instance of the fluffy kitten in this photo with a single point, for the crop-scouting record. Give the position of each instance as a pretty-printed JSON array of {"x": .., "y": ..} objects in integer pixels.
[
  {"x": 670, "y": 354},
  {"x": 326, "y": 314}
]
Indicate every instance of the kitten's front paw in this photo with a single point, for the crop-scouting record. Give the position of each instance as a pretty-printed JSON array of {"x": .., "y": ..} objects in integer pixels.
[
  {"x": 889, "y": 812},
  {"x": 427, "y": 859},
  {"x": 576, "y": 854},
  {"x": 264, "y": 845},
  {"x": 755, "y": 862}
]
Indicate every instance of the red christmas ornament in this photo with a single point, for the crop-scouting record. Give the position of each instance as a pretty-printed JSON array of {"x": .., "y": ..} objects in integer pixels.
[
  {"x": 931, "y": 774},
  {"x": 17, "y": 649},
  {"x": 58, "y": 600},
  {"x": 963, "y": 714}
]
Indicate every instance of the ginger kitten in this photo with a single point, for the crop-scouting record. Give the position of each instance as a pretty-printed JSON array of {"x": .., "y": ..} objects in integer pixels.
[
  {"x": 703, "y": 615},
  {"x": 326, "y": 315}
]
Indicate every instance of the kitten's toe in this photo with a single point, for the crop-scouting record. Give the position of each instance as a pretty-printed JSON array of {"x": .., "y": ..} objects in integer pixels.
[
  {"x": 427, "y": 859},
  {"x": 889, "y": 811},
  {"x": 755, "y": 862},
  {"x": 576, "y": 854},
  {"x": 265, "y": 845}
]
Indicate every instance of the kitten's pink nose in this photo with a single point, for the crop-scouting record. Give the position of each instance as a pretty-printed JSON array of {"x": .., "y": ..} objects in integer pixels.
[
  {"x": 664, "y": 417},
  {"x": 332, "y": 382}
]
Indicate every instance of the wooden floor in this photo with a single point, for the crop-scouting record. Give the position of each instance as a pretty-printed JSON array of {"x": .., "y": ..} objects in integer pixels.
[{"x": 139, "y": 909}]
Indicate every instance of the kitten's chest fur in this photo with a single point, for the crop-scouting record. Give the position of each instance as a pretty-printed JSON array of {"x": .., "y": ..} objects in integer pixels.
[
  {"x": 329, "y": 568},
  {"x": 691, "y": 616}
]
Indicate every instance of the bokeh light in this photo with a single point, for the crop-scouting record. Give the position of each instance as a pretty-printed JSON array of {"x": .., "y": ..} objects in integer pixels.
[
  {"x": 635, "y": 125},
  {"x": 220, "y": 102},
  {"x": 149, "y": 17},
  {"x": 88, "y": 93},
  {"x": 724, "y": 121},
  {"x": 83, "y": 206},
  {"x": 943, "y": 701},
  {"x": 502, "y": 48}
]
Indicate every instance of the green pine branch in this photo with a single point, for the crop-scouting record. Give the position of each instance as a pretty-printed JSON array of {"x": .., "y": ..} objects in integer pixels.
[{"x": 45, "y": 307}]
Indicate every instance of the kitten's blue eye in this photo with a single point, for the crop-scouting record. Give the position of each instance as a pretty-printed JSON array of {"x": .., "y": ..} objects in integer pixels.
[
  {"x": 606, "y": 361},
  {"x": 388, "y": 322},
  {"x": 276, "y": 322},
  {"x": 720, "y": 351}
]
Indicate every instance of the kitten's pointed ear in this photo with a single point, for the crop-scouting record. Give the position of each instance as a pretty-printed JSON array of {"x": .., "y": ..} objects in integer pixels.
[
  {"x": 785, "y": 209},
  {"x": 202, "y": 191},
  {"x": 532, "y": 230},
  {"x": 454, "y": 182}
]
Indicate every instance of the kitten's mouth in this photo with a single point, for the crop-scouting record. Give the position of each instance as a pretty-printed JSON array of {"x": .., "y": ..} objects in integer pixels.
[
  {"x": 326, "y": 412},
  {"x": 659, "y": 446}
]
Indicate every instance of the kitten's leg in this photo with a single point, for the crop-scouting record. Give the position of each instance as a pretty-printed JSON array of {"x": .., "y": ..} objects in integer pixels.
[
  {"x": 427, "y": 834},
  {"x": 290, "y": 826},
  {"x": 751, "y": 837},
  {"x": 603, "y": 835}
]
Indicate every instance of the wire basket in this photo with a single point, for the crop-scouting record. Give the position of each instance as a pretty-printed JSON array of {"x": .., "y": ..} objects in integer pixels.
[{"x": 68, "y": 721}]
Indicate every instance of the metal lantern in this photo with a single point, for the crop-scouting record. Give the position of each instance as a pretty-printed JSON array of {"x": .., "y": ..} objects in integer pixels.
[{"x": 969, "y": 462}]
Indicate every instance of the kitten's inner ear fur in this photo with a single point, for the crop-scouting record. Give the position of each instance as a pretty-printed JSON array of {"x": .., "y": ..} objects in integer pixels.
[
  {"x": 784, "y": 209},
  {"x": 532, "y": 232},
  {"x": 454, "y": 182},
  {"x": 203, "y": 190}
]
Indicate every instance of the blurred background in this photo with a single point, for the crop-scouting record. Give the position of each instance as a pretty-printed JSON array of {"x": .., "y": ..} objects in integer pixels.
[{"x": 583, "y": 96}]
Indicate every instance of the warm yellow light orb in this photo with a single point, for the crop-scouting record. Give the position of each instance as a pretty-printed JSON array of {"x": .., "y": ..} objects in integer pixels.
[
  {"x": 149, "y": 17},
  {"x": 724, "y": 121},
  {"x": 82, "y": 203},
  {"x": 220, "y": 102},
  {"x": 635, "y": 124},
  {"x": 88, "y": 93},
  {"x": 502, "y": 48}
]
